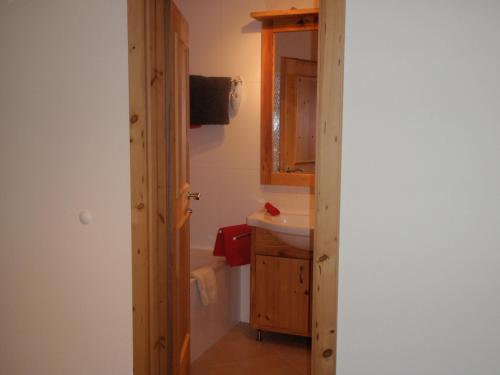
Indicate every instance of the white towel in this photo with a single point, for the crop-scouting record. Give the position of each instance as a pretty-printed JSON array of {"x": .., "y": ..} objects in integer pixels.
[{"x": 206, "y": 282}]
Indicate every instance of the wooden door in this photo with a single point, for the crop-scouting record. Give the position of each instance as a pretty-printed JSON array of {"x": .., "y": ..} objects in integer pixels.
[
  {"x": 282, "y": 300},
  {"x": 178, "y": 192},
  {"x": 298, "y": 114}
]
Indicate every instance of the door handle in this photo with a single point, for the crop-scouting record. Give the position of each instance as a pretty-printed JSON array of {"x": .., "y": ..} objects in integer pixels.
[
  {"x": 195, "y": 196},
  {"x": 189, "y": 211},
  {"x": 301, "y": 275}
]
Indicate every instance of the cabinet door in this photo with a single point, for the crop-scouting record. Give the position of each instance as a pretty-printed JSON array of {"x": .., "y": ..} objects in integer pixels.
[{"x": 282, "y": 293}]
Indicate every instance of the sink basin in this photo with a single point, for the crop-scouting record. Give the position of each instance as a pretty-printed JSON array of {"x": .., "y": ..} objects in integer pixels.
[{"x": 293, "y": 228}]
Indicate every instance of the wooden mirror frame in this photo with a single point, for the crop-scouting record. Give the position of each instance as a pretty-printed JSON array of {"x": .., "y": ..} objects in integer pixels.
[{"x": 274, "y": 22}]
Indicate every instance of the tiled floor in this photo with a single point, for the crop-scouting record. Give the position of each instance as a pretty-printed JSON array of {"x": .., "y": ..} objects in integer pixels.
[{"x": 238, "y": 353}]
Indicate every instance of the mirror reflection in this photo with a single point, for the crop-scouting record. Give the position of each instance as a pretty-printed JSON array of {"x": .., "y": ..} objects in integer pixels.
[{"x": 294, "y": 101}]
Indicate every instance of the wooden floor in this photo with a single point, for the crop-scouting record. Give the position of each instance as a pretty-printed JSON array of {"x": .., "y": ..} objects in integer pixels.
[{"x": 238, "y": 353}]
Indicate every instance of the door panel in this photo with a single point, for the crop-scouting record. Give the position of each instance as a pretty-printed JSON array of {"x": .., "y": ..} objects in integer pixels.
[{"x": 179, "y": 120}]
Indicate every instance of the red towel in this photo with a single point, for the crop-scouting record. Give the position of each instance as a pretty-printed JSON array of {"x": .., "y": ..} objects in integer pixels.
[
  {"x": 234, "y": 243},
  {"x": 273, "y": 211}
]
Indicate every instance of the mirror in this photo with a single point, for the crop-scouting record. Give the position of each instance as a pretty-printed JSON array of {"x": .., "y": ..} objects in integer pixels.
[
  {"x": 294, "y": 101},
  {"x": 288, "y": 96}
]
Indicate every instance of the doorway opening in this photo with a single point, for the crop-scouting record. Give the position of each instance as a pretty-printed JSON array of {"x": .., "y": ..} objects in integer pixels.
[{"x": 159, "y": 50}]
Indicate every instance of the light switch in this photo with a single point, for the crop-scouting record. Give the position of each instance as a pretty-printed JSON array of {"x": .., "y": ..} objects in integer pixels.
[{"x": 85, "y": 217}]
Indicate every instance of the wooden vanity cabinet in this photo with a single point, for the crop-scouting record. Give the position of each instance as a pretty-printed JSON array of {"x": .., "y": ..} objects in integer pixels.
[{"x": 281, "y": 279}]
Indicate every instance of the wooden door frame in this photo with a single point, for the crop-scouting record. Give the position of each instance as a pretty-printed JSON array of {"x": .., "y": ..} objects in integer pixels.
[
  {"x": 328, "y": 173},
  {"x": 147, "y": 100}
]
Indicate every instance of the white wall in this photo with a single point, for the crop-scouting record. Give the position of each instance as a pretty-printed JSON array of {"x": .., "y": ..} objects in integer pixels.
[
  {"x": 420, "y": 236},
  {"x": 225, "y": 160},
  {"x": 65, "y": 287}
]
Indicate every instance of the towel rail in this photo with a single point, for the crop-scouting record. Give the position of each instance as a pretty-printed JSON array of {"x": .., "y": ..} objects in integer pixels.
[{"x": 242, "y": 235}]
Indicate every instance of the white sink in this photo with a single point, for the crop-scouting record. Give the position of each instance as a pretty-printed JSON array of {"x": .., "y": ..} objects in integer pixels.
[{"x": 293, "y": 228}]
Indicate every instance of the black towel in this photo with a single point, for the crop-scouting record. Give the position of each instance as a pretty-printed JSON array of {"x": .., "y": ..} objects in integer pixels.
[{"x": 209, "y": 100}]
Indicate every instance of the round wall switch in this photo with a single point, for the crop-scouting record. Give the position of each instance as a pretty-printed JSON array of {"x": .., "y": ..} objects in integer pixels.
[{"x": 85, "y": 217}]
